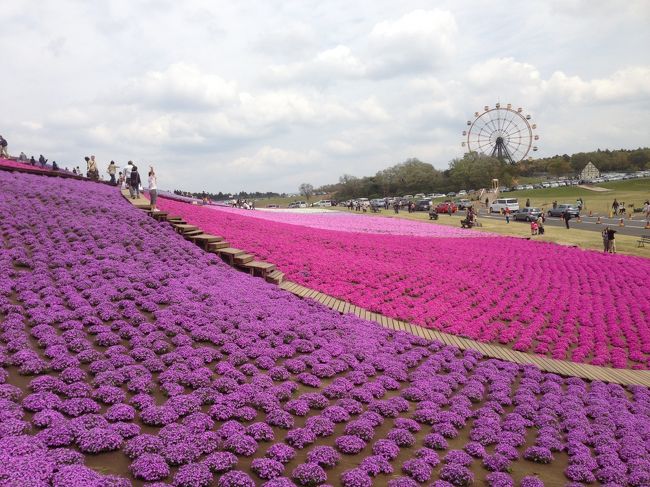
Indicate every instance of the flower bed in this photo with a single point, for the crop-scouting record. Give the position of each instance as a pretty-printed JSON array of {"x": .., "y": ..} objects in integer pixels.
[
  {"x": 353, "y": 222},
  {"x": 538, "y": 297},
  {"x": 134, "y": 351}
]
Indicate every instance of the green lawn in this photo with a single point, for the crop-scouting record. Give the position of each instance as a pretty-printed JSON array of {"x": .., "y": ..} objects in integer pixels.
[{"x": 631, "y": 191}]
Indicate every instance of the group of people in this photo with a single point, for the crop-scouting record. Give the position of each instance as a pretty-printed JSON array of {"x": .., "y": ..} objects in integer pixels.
[
  {"x": 609, "y": 241},
  {"x": 240, "y": 203},
  {"x": 537, "y": 226}
]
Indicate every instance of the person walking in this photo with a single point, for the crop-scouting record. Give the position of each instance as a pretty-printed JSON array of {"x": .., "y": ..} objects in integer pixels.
[
  {"x": 153, "y": 189},
  {"x": 135, "y": 181},
  {"x": 540, "y": 224},
  {"x": 605, "y": 236},
  {"x": 527, "y": 202},
  {"x": 121, "y": 181},
  {"x": 127, "y": 178},
  {"x": 615, "y": 206},
  {"x": 507, "y": 213},
  {"x": 42, "y": 161},
  {"x": 487, "y": 202},
  {"x": 646, "y": 210},
  {"x": 112, "y": 169},
  {"x": 93, "y": 172},
  {"x": 611, "y": 240},
  {"x": 3, "y": 147},
  {"x": 566, "y": 216}
]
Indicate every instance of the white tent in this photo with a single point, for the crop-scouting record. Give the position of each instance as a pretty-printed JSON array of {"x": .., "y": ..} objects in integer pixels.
[{"x": 590, "y": 172}]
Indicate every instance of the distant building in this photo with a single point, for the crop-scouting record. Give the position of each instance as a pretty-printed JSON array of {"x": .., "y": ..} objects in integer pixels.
[{"x": 590, "y": 172}]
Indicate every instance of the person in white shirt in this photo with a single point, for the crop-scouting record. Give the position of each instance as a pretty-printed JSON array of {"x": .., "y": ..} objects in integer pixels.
[
  {"x": 127, "y": 178},
  {"x": 153, "y": 189}
]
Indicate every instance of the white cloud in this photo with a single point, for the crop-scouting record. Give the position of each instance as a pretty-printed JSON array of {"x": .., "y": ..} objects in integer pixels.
[{"x": 233, "y": 96}]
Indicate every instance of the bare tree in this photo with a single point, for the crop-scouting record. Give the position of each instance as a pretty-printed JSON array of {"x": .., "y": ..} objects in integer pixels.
[{"x": 306, "y": 189}]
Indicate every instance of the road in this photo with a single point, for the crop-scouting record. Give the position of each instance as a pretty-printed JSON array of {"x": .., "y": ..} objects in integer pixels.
[{"x": 632, "y": 227}]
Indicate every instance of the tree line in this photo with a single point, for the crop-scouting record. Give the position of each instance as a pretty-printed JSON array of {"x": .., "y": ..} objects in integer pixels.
[{"x": 474, "y": 171}]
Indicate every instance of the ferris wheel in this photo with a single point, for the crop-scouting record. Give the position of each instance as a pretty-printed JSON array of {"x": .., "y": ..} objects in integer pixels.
[{"x": 502, "y": 132}]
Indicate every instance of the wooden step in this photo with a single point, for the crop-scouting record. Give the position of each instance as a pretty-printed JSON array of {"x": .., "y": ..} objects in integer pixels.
[
  {"x": 275, "y": 277},
  {"x": 243, "y": 259},
  {"x": 175, "y": 219},
  {"x": 228, "y": 254},
  {"x": 161, "y": 216},
  {"x": 192, "y": 233},
  {"x": 184, "y": 227},
  {"x": 259, "y": 268},
  {"x": 142, "y": 206},
  {"x": 215, "y": 246}
]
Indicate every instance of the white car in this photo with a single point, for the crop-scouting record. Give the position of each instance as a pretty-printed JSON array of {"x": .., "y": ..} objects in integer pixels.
[{"x": 501, "y": 204}]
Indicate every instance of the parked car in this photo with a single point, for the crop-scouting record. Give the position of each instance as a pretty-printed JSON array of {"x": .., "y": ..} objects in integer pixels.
[
  {"x": 527, "y": 214},
  {"x": 444, "y": 207},
  {"x": 275, "y": 206},
  {"x": 561, "y": 209},
  {"x": 423, "y": 205},
  {"x": 463, "y": 204},
  {"x": 501, "y": 204}
]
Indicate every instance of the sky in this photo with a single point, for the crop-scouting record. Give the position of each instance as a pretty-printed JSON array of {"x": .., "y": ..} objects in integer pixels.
[{"x": 266, "y": 95}]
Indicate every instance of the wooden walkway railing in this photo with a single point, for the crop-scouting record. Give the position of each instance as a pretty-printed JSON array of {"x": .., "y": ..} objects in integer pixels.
[{"x": 562, "y": 367}]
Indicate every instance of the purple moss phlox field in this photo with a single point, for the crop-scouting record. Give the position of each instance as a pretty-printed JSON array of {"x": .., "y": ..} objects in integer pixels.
[
  {"x": 539, "y": 297},
  {"x": 118, "y": 337}
]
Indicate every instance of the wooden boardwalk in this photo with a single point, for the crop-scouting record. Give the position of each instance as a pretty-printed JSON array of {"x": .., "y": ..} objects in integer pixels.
[{"x": 561, "y": 367}]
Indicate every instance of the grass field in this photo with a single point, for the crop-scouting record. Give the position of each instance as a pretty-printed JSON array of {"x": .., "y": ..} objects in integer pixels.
[{"x": 631, "y": 191}]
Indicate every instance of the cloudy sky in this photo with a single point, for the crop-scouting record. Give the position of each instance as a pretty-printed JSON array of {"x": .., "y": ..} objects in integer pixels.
[{"x": 265, "y": 95}]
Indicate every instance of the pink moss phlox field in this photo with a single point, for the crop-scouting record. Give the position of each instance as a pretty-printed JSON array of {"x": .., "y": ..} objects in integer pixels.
[
  {"x": 537, "y": 297},
  {"x": 23, "y": 165},
  {"x": 121, "y": 340},
  {"x": 354, "y": 223}
]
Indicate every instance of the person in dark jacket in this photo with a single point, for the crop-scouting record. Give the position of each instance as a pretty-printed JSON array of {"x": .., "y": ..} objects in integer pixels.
[
  {"x": 566, "y": 216},
  {"x": 135, "y": 181}
]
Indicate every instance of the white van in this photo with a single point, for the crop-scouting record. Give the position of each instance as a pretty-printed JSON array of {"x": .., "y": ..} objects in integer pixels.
[{"x": 502, "y": 203}]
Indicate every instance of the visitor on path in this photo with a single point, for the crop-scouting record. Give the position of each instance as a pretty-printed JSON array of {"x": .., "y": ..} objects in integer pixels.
[
  {"x": 527, "y": 202},
  {"x": 396, "y": 206},
  {"x": 449, "y": 208},
  {"x": 93, "y": 172},
  {"x": 554, "y": 204},
  {"x": 615, "y": 206},
  {"x": 611, "y": 240},
  {"x": 23, "y": 157},
  {"x": 55, "y": 166},
  {"x": 605, "y": 236},
  {"x": 153, "y": 188},
  {"x": 507, "y": 213},
  {"x": 42, "y": 161},
  {"x": 566, "y": 216},
  {"x": 127, "y": 177},
  {"x": 487, "y": 202},
  {"x": 112, "y": 169},
  {"x": 580, "y": 204},
  {"x": 121, "y": 181},
  {"x": 79, "y": 171},
  {"x": 3, "y": 147},
  {"x": 540, "y": 224},
  {"x": 646, "y": 211},
  {"x": 135, "y": 181},
  {"x": 32, "y": 161},
  {"x": 534, "y": 228}
]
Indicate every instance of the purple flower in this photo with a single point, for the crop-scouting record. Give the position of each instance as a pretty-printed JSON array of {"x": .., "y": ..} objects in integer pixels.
[
  {"x": 142, "y": 444},
  {"x": 241, "y": 445},
  {"x": 260, "y": 432},
  {"x": 235, "y": 478},
  {"x": 402, "y": 482},
  {"x": 538, "y": 454},
  {"x": 309, "y": 474},
  {"x": 386, "y": 448},
  {"x": 220, "y": 462},
  {"x": 150, "y": 467},
  {"x": 531, "y": 481},
  {"x": 281, "y": 452},
  {"x": 500, "y": 479},
  {"x": 356, "y": 477},
  {"x": 320, "y": 425},
  {"x": 401, "y": 437},
  {"x": 418, "y": 470},
  {"x": 350, "y": 445},
  {"x": 98, "y": 440},
  {"x": 457, "y": 475},
  {"x": 435, "y": 441},
  {"x": 265, "y": 468},
  {"x": 300, "y": 437},
  {"x": 193, "y": 475},
  {"x": 429, "y": 456},
  {"x": 325, "y": 456},
  {"x": 496, "y": 463}
]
